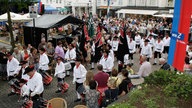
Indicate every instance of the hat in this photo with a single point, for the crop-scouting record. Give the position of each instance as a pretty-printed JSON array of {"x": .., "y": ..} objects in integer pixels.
[
  {"x": 22, "y": 62},
  {"x": 146, "y": 40},
  {"x": 9, "y": 54},
  {"x": 59, "y": 58},
  {"x": 78, "y": 59},
  {"x": 23, "y": 81},
  {"x": 29, "y": 69}
]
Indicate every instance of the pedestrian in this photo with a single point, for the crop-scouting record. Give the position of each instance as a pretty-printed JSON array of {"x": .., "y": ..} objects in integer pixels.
[
  {"x": 79, "y": 76},
  {"x": 146, "y": 50},
  {"x": 60, "y": 73},
  {"x": 132, "y": 49}
]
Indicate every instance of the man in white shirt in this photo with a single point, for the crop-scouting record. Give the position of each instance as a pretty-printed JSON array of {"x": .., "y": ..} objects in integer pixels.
[
  {"x": 137, "y": 40},
  {"x": 166, "y": 41},
  {"x": 146, "y": 50},
  {"x": 43, "y": 60},
  {"x": 35, "y": 85},
  {"x": 70, "y": 56},
  {"x": 79, "y": 76},
  {"x": 12, "y": 66},
  {"x": 12, "y": 69},
  {"x": 158, "y": 49},
  {"x": 151, "y": 41},
  {"x": 107, "y": 62},
  {"x": 145, "y": 68},
  {"x": 60, "y": 73},
  {"x": 132, "y": 49}
]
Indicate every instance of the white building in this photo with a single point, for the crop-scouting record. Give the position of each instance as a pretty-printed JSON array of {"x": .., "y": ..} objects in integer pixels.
[
  {"x": 78, "y": 7},
  {"x": 134, "y": 4}
]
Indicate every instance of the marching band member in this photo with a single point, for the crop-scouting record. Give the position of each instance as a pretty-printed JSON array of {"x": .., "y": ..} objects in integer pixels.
[
  {"x": 35, "y": 85},
  {"x": 92, "y": 54},
  {"x": 60, "y": 73},
  {"x": 137, "y": 40},
  {"x": 132, "y": 49},
  {"x": 71, "y": 56},
  {"x": 115, "y": 44},
  {"x": 21, "y": 75},
  {"x": 12, "y": 69},
  {"x": 158, "y": 50},
  {"x": 43, "y": 60},
  {"x": 146, "y": 50},
  {"x": 151, "y": 41},
  {"x": 79, "y": 76},
  {"x": 166, "y": 41},
  {"x": 107, "y": 62}
]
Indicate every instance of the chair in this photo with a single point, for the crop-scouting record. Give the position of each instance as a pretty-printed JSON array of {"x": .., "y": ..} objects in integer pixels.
[
  {"x": 80, "y": 106},
  {"x": 57, "y": 103}
]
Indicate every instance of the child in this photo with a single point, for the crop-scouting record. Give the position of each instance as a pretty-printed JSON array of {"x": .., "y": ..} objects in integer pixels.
[{"x": 130, "y": 70}]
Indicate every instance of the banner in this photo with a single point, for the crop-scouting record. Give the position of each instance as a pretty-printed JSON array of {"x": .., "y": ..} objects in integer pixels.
[{"x": 180, "y": 32}]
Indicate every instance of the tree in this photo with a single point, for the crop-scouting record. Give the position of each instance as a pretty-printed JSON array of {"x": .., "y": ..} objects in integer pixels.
[{"x": 6, "y": 6}]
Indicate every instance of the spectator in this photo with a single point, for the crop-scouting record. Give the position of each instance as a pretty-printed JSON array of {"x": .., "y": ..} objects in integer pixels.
[
  {"x": 17, "y": 54},
  {"x": 92, "y": 95},
  {"x": 3, "y": 63},
  {"x": 145, "y": 68},
  {"x": 114, "y": 74},
  {"x": 59, "y": 52},
  {"x": 164, "y": 64},
  {"x": 123, "y": 90},
  {"x": 110, "y": 94},
  {"x": 34, "y": 58},
  {"x": 89, "y": 77}
]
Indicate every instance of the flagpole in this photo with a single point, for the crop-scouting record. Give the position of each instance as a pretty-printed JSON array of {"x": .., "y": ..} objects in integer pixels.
[{"x": 108, "y": 8}]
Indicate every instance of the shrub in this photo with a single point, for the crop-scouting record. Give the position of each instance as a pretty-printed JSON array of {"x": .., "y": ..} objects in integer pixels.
[
  {"x": 150, "y": 103},
  {"x": 180, "y": 87},
  {"x": 160, "y": 78}
]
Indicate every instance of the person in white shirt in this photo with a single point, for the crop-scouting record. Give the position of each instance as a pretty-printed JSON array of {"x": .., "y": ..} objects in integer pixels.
[
  {"x": 132, "y": 49},
  {"x": 158, "y": 49},
  {"x": 60, "y": 73},
  {"x": 35, "y": 85},
  {"x": 115, "y": 44},
  {"x": 23, "y": 65},
  {"x": 137, "y": 40},
  {"x": 145, "y": 69},
  {"x": 70, "y": 56},
  {"x": 92, "y": 54},
  {"x": 79, "y": 76},
  {"x": 166, "y": 41},
  {"x": 107, "y": 62},
  {"x": 151, "y": 41},
  {"x": 12, "y": 66},
  {"x": 146, "y": 50},
  {"x": 43, "y": 60}
]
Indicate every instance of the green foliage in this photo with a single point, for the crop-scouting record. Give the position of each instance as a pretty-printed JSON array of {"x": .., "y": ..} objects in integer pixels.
[
  {"x": 122, "y": 105},
  {"x": 160, "y": 78},
  {"x": 180, "y": 87},
  {"x": 135, "y": 96},
  {"x": 150, "y": 103}
]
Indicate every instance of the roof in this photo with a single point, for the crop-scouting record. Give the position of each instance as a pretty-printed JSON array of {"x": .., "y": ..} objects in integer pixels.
[
  {"x": 134, "y": 11},
  {"x": 49, "y": 20}
]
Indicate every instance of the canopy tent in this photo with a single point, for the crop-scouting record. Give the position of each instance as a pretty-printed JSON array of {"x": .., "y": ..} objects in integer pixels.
[
  {"x": 164, "y": 15},
  {"x": 48, "y": 21},
  {"x": 133, "y": 11},
  {"x": 14, "y": 16},
  {"x": 43, "y": 23},
  {"x": 24, "y": 18}
]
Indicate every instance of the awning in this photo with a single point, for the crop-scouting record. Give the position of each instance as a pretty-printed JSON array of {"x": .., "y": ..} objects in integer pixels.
[
  {"x": 164, "y": 15},
  {"x": 134, "y": 11}
]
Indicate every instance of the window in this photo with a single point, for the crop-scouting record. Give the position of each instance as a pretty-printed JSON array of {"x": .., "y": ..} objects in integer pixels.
[
  {"x": 50, "y": 1},
  {"x": 60, "y": 1},
  {"x": 120, "y": 2},
  {"x": 56, "y": 1},
  {"x": 47, "y": 1}
]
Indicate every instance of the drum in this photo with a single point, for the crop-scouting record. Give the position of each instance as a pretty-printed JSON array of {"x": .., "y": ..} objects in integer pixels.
[
  {"x": 47, "y": 79},
  {"x": 67, "y": 66}
]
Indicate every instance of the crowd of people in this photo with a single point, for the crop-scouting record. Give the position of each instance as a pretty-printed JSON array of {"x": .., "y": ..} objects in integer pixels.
[{"x": 145, "y": 38}]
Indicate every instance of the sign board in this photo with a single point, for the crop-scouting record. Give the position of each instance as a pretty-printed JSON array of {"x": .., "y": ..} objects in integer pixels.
[
  {"x": 177, "y": 35},
  {"x": 33, "y": 11}
]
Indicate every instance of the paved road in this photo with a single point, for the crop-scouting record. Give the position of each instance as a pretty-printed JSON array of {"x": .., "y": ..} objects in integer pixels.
[{"x": 49, "y": 93}]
